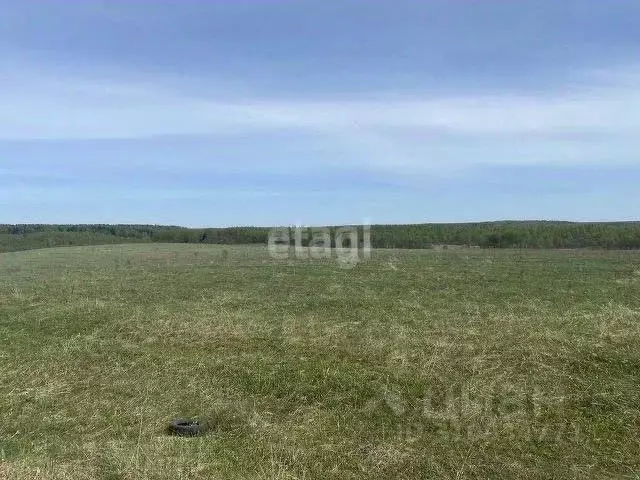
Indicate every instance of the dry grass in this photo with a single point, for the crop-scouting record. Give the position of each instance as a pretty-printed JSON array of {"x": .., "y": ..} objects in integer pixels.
[{"x": 414, "y": 364}]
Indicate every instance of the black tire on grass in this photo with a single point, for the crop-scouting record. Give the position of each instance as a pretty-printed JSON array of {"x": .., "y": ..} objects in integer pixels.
[{"x": 184, "y": 427}]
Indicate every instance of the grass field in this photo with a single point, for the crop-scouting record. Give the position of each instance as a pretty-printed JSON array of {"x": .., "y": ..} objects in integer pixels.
[{"x": 414, "y": 364}]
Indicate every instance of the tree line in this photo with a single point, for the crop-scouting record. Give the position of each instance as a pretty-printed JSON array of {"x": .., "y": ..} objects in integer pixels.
[{"x": 540, "y": 234}]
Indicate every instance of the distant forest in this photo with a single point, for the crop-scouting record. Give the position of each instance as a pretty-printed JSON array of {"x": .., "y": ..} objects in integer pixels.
[{"x": 542, "y": 234}]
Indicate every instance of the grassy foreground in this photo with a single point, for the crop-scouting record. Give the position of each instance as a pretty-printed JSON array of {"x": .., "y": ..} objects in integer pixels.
[{"x": 414, "y": 364}]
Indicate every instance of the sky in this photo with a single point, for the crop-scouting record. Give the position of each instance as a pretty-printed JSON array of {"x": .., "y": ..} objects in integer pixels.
[{"x": 218, "y": 113}]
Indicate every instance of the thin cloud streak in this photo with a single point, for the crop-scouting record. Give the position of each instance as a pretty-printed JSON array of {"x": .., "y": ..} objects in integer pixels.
[
  {"x": 76, "y": 108},
  {"x": 596, "y": 123}
]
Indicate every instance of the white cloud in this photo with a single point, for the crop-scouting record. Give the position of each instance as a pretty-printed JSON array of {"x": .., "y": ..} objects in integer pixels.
[{"x": 426, "y": 133}]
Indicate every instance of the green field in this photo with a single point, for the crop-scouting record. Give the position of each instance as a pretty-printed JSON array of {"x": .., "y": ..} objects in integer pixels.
[{"x": 457, "y": 364}]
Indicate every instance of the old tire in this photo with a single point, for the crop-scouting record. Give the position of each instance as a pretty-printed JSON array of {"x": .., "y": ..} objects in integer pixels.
[{"x": 185, "y": 427}]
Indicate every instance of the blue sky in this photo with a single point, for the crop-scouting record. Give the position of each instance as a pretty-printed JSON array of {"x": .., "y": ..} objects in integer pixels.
[{"x": 211, "y": 113}]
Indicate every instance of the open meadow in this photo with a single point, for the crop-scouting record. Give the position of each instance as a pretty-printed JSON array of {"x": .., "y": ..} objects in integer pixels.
[{"x": 466, "y": 363}]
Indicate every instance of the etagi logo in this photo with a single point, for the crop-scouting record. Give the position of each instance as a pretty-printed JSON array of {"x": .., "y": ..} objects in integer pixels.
[{"x": 321, "y": 243}]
